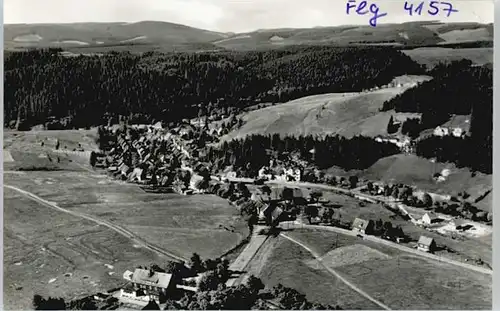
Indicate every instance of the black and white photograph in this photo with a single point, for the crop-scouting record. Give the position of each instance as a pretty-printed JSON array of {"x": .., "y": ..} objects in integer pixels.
[{"x": 248, "y": 155}]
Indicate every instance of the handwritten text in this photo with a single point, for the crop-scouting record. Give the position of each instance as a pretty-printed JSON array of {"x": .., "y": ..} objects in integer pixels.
[{"x": 416, "y": 8}]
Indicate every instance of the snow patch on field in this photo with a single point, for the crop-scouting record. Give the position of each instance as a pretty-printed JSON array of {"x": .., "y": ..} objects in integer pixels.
[
  {"x": 352, "y": 254},
  {"x": 476, "y": 231},
  {"x": 404, "y": 35},
  {"x": 71, "y": 42},
  {"x": 233, "y": 38},
  {"x": 7, "y": 157},
  {"x": 28, "y": 38},
  {"x": 276, "y": 38},
  {"x": 134, "y": 39}
]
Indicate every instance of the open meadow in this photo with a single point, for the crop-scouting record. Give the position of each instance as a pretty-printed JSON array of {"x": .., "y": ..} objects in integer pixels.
[
  {"x": 419, "y": 172},
  {"x": 346, "y": 114},
  {"x": 281, "y": 261},
  {"x": 51, "y": 253},
  {"x": 431, "y": 56},
  {"x": 395, "y": 278},
  {"x": 465, "y": 248},
  {"x": 82, "y": 220}
]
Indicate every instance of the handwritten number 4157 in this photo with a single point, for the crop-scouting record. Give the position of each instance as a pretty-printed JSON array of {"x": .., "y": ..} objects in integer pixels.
[{"x": 434, "y": 7}]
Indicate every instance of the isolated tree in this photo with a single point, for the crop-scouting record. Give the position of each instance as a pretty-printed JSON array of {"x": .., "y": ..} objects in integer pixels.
[
  {"x": 353, "y": 181},
  {"x": 265, "y": 189},
  {"x": 196, "y": 263},
  {"x": 254, "y": 284},
  {"x": 390, "y": 125},
  {"x": 328, "y": 215},
  {"x": 427, "y": 200},
  {"x": 316, "y": 195},
  {"x": 395, "y": 192},
  {"x": 311, "y": 212},
  {"x": 369, "y": 186},
  {"x": 287, "y": 194},
  {"x": 209, "y": 281}
]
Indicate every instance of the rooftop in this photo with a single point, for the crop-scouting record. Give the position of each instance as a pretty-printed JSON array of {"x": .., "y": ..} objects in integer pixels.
[
  {"x": 148, "y": 277},
  {"x": 425, "y": 240}
]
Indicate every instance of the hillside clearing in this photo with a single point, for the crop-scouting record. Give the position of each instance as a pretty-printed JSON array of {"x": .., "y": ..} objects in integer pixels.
[
  {"x": 431, "y": 56},
  {"x": 347, "y": 114},
  {"x": 419, "y": 172}
]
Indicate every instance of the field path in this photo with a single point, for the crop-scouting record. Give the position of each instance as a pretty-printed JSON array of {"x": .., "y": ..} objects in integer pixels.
[
  {"x": 290, "y": 225},
  {"x": 246, "y": 256},
  {"x": 120, "y": 230},
  {"x": 333, "y": 272}
]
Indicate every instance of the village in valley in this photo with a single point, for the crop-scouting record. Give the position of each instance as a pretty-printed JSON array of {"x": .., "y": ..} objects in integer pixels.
[
  {"x": 326, "y": 168},
  {"x": 169, "y": 160}
]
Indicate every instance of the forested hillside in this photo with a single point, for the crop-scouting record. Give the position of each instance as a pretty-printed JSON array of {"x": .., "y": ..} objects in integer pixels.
[
  {"x": 42, "y": 84},
  {"x": 457, "y": 89},
  {"x": 253, "y": 152}
]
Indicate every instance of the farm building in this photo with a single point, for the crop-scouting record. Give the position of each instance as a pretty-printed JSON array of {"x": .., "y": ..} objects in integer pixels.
[
  {"x": 152, "y": 283},
  {"x": 426, "y": 244},
  {"x": 131, "y": 293},
  {"x": 362, "y": 226},
  {"x": 430, "y": 218},
  {"x": 270, "y": 214},
  {"x": 445, "y": 131}
]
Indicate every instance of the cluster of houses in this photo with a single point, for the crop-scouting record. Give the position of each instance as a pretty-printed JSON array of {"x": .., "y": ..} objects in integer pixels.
[
  {"x": 404, "y": 144},
  {"x": 286, "y": 174},
  {"x": 366, "y": 227},
  {"x": 150, "y": 155},
  {"x": 449, "y": 131}
]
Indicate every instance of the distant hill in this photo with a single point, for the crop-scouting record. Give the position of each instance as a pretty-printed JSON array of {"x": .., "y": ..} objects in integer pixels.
[
  {"x": 407, "y": 34},
  {"x": 100, "y": 37},
  {"x": 163, "y": 36}
]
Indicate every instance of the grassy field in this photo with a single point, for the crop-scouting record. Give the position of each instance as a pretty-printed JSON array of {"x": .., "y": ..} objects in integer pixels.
[
  {"x": 418, "y": 172},
  {"x": 431, "y": 56},
  {"x": 346, "y": 114},
  {"x": 281, "y": 261},
  {"x": 412, "y": 170},
  {"x": 178, "y": 224},
  {"x": 397, "y": 279},
  {"x": 51, "y": 253},
  {"x": 466, "y": 248}
]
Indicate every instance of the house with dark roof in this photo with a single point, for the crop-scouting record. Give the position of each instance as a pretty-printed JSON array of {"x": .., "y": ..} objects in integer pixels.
[
  {"x": 426, "y": 244},
  {"x": 152, "y": 283},
  {"x": 363, "y": 226},
  {"x": 270, "y": 214}
]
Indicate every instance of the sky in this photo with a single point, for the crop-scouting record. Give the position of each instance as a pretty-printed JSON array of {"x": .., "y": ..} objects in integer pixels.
[{"x": 232, "y": 15}]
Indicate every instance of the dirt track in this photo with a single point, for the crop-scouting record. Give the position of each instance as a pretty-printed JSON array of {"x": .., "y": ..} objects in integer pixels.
[
  {"x": 393, "y": 245},
  {"x": 114, "y": 227},
  {"x": 334, "y": 273}
]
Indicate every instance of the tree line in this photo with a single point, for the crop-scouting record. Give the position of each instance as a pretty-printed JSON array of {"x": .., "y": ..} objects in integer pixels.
[
  {"x": 457, "y": 88},
  {"x": 88, "y": 90},
  {"x": 250, "y": 154}
]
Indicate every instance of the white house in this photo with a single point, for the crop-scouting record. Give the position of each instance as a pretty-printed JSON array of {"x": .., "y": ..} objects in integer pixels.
[
  {"x": 429, "y": 218},
  {"x": 441, "y": 131},
  {"x": 458, "y": 132}
]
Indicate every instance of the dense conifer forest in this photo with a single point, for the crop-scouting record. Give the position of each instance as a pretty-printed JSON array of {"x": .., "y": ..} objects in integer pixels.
[
  {"x": 41, "y": 84},
  {"x": 250, "y": 154},
  {"x": 457, "y": 88}
]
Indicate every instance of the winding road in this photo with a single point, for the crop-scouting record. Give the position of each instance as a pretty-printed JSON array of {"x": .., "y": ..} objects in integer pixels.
[{"x": 120, "y": 230}]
